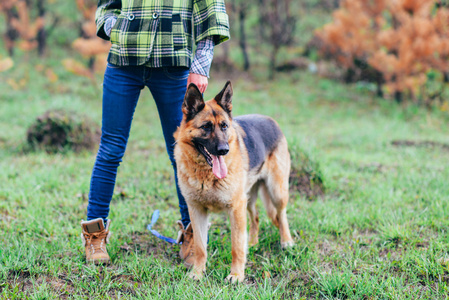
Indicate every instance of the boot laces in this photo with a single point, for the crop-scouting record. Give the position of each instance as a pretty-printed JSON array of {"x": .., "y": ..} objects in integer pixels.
[{"x": 92, "y": 240}]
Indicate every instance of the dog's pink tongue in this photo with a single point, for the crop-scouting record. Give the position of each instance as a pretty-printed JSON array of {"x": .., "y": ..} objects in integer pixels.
[{"x": 219, "y": 167}]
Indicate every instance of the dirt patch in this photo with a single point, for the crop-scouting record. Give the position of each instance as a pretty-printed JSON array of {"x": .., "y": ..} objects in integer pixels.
[
  {"x": 426, "y": 144},
  {"x": 145, "y": 242},
  {"x": 298, "y": 63},
  {"x": 305, "y": 175},
  {"x": 63, "y": 287},
  {"x": 306, "y": 184},
  {"x": 23, "y": 281},
  {"x": 424, "y": 245},
  {"x": 20, "y": 274},
  {"x": 375, "y": 168},
  {"x": 325, "y": 249}
]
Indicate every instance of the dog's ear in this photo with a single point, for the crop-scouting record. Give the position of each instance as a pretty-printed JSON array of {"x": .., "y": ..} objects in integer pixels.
[
  {"x": 224, "y": 98},
  {"x": 193, "y": 102}
]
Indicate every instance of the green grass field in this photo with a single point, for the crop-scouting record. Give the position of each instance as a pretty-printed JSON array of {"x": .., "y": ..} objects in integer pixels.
[{"x": 379, "y": 232}]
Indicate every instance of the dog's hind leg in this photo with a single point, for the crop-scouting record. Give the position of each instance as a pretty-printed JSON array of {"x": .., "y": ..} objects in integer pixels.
[
  {"x": 275, "y": 188},
  {"x": 198, "y": 218},
  {"x": 275, "y": 200},
  {"x": 268, "y": 203},
  {"x": 253, "y": 216}
]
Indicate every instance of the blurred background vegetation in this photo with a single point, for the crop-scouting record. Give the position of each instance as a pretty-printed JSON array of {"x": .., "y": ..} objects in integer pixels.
[{"x": 397, "y": 49}]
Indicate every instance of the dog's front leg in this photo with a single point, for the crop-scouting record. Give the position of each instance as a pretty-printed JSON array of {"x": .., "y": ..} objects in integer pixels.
[
  {"x": 237, "y": 215},
  {"x": 198, "y": 218}
]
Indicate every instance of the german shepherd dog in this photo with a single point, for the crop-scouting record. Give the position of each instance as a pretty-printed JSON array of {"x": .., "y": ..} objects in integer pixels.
[{"x": 222, "y": 162}]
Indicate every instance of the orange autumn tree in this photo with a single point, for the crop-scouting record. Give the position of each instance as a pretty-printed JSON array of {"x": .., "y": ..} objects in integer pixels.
[
  {"x": 395, "y": 43},
  {"x": 24, "y": 31},
  {"x": 88, "y": 45}
]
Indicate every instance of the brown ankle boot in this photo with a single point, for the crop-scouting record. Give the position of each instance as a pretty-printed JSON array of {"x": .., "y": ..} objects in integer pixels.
[
  {"x": 95, "y": 237},
  {"x": 185, "y": 238}
]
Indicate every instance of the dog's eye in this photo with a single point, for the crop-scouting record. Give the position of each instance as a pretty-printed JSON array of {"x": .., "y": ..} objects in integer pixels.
[
  {"x": 206, "y": 126},
  {"x": 224, "y": 126}
]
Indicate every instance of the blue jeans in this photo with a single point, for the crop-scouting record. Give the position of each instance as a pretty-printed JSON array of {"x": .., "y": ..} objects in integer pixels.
[{"x": 121, "y": 90}]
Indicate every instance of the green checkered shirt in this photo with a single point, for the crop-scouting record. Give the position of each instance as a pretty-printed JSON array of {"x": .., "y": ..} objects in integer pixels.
[{"x": 159, "y": 33}]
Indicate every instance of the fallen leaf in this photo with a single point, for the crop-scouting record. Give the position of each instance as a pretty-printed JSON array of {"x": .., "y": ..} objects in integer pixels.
[
  {"x": 51, "y": 75},
  {"x": 76, "y": 67},
  {"x": 6, "y": 64}
]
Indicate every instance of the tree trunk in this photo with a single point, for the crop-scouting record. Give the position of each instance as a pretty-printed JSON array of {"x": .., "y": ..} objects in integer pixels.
[
  {"x": 379, "y": 82},
  {"x": 41, "y": 41},
  {"x": 11, "y": 34},
  {"x": 379, "y": 91},
  {"x": 398, "y": 96},
  {"x": 262, "y": 22},
  {"x": 443, "y": 86},
  {"x": 242, "y": 42},
  {"x": 273, "y": 62},
  {"x": 41, "y": 35}
]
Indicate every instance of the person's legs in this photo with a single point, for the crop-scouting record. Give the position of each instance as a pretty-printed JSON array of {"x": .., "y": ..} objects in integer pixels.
[
  {"x": 121, "y": 90},
  {"x": 168, "y": 87}
]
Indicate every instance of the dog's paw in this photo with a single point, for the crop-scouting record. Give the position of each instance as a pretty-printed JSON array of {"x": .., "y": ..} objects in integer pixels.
[
  {"x": 287, "y": 244},
  {"x": 232, "y": 278},
  {"x": 253, "y": 242},
  {"x": 195, "y": 275}
]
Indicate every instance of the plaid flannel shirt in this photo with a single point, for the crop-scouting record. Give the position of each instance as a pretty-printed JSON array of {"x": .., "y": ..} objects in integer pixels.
[{"x": 159, "y": 33}]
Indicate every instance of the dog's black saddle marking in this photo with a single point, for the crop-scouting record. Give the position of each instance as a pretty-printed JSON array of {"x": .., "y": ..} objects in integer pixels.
[{"x": 261, "y": 137}]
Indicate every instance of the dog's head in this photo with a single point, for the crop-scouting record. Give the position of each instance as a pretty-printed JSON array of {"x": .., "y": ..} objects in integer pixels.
[{"x": 207, "y": 126}]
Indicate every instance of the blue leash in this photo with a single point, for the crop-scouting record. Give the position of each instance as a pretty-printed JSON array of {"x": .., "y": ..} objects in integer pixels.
[{"x": 154, "y": 218}]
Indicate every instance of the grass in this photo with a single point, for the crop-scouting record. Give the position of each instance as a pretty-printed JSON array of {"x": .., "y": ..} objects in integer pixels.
[{"x": 379, "y": 231}]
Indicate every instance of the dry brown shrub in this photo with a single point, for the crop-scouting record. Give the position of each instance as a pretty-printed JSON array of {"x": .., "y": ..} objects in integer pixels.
[
  {"x": 60, "y": 130},
  {"x": 22, "y": 30},
  {"x": 400, "y": 40},
  {"x": 88, "y": 45},
  {"x": 306, "y": 177}
]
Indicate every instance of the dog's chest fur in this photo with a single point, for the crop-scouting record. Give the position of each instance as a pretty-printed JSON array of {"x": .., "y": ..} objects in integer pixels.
[{"x": 204, "y": 189}]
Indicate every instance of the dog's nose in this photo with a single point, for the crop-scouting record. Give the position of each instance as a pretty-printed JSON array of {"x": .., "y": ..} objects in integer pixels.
[{"x": 223, "y": 149}]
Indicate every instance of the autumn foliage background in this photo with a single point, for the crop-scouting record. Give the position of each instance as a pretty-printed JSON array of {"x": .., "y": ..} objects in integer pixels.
[{"x": 401, "y": 47}]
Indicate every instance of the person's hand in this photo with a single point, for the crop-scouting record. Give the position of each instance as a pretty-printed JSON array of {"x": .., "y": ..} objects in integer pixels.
[{"x": 200, "y": 81}]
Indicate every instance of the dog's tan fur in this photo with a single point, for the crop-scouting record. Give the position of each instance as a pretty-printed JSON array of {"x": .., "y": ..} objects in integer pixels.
[{"x": 236, "y": 192}]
